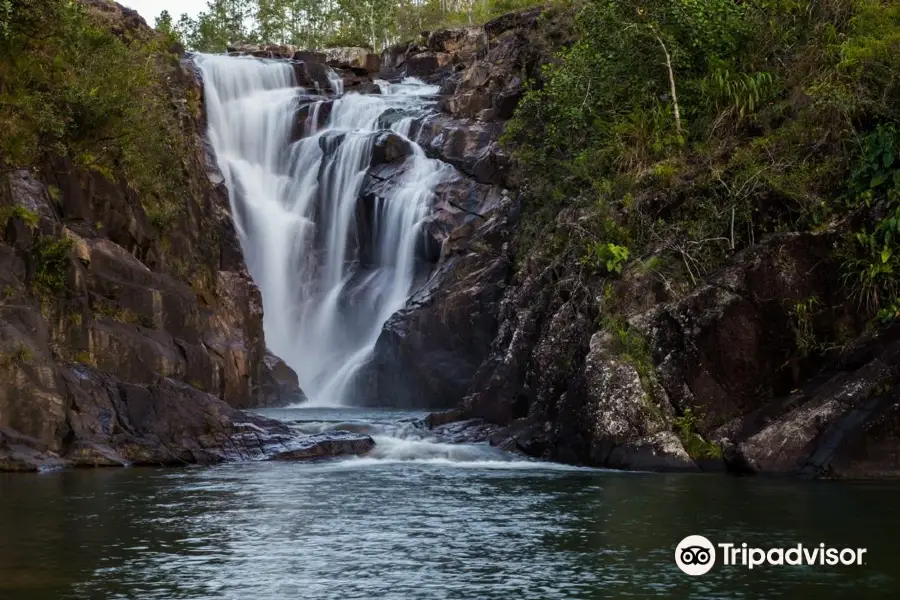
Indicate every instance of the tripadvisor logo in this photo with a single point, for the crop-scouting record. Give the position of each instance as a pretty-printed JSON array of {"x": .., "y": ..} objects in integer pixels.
[{"x": 696, "y": 555}]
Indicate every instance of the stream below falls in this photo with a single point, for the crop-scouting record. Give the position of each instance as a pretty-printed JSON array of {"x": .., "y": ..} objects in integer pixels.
[{"x": 420, "y": 518}]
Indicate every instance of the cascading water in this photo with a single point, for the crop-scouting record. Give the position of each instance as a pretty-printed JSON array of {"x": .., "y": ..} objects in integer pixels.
[{"x": 296, "y": 206}]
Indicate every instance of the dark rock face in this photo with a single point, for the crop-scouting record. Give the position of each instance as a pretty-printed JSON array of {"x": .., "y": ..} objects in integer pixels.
[
  {"x": 312, "y": 75},
  {"x": 470, "y": 146},
  {"x": 389, "y": 148},
  {"x": 429, "y": 352},
  {"x": 151, "y": 341},
  {"x": 729, "y": 349},
  {"x": 280, "y": 386},
  {"x": 443, "y": 334},
  {"x": 727, "y": 352}
]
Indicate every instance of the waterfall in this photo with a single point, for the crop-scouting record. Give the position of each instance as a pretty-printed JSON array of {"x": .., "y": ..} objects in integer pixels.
[{"x": 296, "y": 206}]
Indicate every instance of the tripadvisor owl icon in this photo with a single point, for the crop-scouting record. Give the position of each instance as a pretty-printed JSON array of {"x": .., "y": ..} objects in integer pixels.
[{"x": 695, "y": 555}]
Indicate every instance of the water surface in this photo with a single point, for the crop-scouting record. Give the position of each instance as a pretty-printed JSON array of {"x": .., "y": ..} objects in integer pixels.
[{"x": 427, "y": 522}]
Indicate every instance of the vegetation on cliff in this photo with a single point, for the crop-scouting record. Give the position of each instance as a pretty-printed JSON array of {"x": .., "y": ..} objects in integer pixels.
[
  {"x": 675, "y": 133},
  {"x": 375, "y": 24},
  {"x": 72, "y": 85}
]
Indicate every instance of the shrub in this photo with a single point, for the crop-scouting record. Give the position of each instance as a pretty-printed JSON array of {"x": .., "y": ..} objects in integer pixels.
[
  {"x": 70, "y": 87},
  {"x": 51, "y": 264},
  {"x": 873, "y": 267},
  {"x": 701, "y": 127},
  {"x": 608, "y": 256},
  {"x": 30, "y": 217},
  {"x": 694, "y": 444}
]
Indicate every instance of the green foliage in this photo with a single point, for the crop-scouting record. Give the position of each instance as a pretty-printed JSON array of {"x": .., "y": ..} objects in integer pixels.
[
  {"x": 5, "y": 14},
  {"x": 344, "y": 40},
  {"x": 694, "y": 444},
  {"x": 873, "y": 268},
  {"x": 84, "y": 357},
  {"x": 374, "y": 24},
  {"x": 803, "y": 313},
  {"x": 70, "y": 87},
  {"x": 632, "y": 348},
  {"x": 774, "y": 102},
  {"x": 30, "y": 217},
  {"x": 23, "y": 355},
  {"x": 51, "y": 265},
  {"x": 741, "y": 92},
  {"x": 607, "y": 256}
]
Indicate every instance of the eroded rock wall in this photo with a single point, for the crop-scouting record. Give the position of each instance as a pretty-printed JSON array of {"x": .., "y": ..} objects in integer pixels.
[{"x": 121, "y": 340}]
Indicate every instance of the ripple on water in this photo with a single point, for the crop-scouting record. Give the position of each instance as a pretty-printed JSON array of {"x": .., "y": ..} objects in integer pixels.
[{"x": 471, "y": 525}]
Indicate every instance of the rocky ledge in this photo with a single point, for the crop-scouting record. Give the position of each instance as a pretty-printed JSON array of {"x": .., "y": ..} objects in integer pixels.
[{"x": 167, "y": 423}]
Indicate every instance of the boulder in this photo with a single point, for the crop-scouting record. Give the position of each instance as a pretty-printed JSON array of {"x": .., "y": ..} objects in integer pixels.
[
  {"x": 280, "y": 384},
  {"x": 427, "y": 63},
  {"x": 470, "y": 146},
  {"x": 330, "y": 445},
  {"x": 356, "y": 59},
  {"x": 461, "y": 43},
  {"x": 261, "y": 50},
  {"x": 313, "y": 76},
  {"x": 390, "y": 148}
]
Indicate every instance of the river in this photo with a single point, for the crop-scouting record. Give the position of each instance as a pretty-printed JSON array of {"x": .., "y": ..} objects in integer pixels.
[{"x": 422, "y": 519}]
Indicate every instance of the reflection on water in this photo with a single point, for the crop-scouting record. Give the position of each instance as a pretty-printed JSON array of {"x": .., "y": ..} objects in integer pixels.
[{"x": 403, "y": 529}]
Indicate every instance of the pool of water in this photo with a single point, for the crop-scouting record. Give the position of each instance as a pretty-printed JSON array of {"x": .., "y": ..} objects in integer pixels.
[{"x": 424, "y": 519}]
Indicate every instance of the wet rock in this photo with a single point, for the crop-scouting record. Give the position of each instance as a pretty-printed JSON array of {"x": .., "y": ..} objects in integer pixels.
[
  {"x": 329, "y": 445},
  {"x": 662, "y": 451},
  {"x": 470, "y": 146},
  {"x": 390, "y": 148},
  {"x": 311, "y": 107},
  {"x": 438, "y": 340},
  {"x": 469, "y": 431},
  {"x": 313, "y": 76},
  {"x": 280, "y": 384},
  {"x": 394, "y": 57},
  {"x": 21, "y": 453},
  {"x": 528, "y": 436}
]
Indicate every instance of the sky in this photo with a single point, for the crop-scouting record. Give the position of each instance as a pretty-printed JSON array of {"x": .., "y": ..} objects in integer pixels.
[{"x": 150, "y": 9}]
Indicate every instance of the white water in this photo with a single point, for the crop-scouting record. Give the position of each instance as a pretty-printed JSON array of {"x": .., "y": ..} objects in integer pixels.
[
  {"x": 402, "y": 439},
  {"x": 295, "y": 210}
]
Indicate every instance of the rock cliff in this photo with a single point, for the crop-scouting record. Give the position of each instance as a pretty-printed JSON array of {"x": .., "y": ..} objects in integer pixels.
[
  {"x": 121, "y": 340},
  {"x": 619, "y": 370}
]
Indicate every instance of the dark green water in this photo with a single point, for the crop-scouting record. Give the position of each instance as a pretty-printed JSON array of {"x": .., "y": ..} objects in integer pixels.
[{"x": 432, "y": 523}]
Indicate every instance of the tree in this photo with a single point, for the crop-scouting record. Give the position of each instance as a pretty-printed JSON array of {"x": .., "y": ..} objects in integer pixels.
[{"x": 164, "y": 22}]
